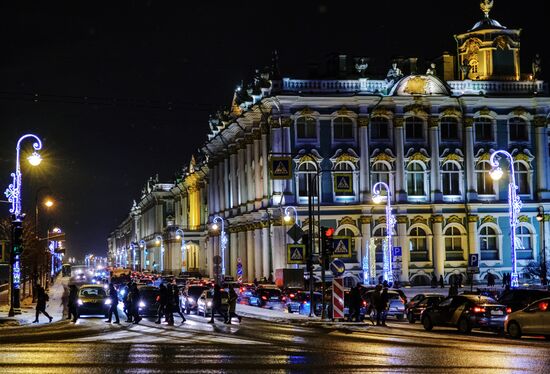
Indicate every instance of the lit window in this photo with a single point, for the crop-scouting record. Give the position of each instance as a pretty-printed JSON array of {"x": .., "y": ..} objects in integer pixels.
[
  {"x": 418, "y": 244},
  {"x": 453, "y": 244},
  {"x": 306, "y": 179},
  {"x": 488, "y": 243},
  {"x": 485, "y": 184},
  {"x": 521, "y": 174},
  {"x": 450, "y": 174},
  {"x": 415, "y": 179},
  {"x": 380, "y": 172}
]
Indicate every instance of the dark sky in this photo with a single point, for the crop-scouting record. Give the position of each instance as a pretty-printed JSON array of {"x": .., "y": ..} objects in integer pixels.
[{"x": 122, "y": 90}]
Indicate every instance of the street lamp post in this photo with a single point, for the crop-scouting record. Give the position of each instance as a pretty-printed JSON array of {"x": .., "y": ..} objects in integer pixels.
[
  {"x": 143, "y": 245},
  {"x": 390, "y": 222},
  {"x": 514, "y": 206},
  {"x": 160, "y": 242},
  {"x": 223, "y": 242},
  {"x": 13, "y": 193},
  {"x": 543, "y": 270},
  {"x": 180, "y": 236}
]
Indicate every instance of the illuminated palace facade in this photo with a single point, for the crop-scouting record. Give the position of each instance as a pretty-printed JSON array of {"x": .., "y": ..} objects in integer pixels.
[{"x": 428, "y": 136}]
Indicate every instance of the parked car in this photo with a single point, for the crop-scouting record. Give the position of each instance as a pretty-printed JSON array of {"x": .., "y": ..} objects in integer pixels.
[
  {"x": 532, "y": 320},
  {"x": 415, "y": 309},
  {"x": 92, "y": 300},
  {"x": 267, "y": 297},
  {"x": 204, "y": 302},
  {"x": 293, "y": 303},
  {"x": 148, "y": 304},
  {"x": 190, "y": 296},
  {"x": 465, "y": 312},
  {"x": 245, "y": 291},
  {"x": 519, "y": 298}
]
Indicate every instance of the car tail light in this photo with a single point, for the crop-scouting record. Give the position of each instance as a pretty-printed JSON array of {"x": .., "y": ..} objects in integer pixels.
[
  {"x": 291, "y": 296},
  {"x": 242, "y": 289},
  {"x": 478, "y": 309},
  {"x": 508, "y": 310},
  {"x": 403, "y": 301},
  {"x": 364, "y": 303},
  {"x": 264, "y": 297},
  {"x": 305, "y": 302},
  {"x": 284, "y": 298}
]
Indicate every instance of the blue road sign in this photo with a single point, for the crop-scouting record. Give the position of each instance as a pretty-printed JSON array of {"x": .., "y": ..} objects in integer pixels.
[
  {"x": 337, "y": 267},
  {"x": 473, "y": 260},
  {"x": 397, "y": 252}
]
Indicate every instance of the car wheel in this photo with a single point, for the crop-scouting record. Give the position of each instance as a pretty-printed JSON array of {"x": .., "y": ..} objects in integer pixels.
[
  {"x": 427, "y": 323},
  {"x": 464, "y": 326},
  {"x": 400, "y": 317},
  {"x": 410, "y": 317},
  {"x": 514, "y": 330}
]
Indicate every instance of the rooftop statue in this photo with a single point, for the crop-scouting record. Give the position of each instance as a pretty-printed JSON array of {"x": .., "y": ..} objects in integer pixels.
[
  {"x": 394, "y": 74},
  {"x": 431, "y": 70},
  {"x": 361, "y": 66},
  {"x": 536, "y": 66}
]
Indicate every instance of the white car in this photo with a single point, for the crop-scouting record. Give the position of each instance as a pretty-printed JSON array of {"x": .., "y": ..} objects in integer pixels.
[
  {"x": 204, "y": 302},
  {"x": 532, "y": 320}
]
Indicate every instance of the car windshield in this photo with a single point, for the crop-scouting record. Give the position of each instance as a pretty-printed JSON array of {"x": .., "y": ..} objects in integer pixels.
[
  {"x": 195, "y": 291},
  {"x": 92, "y": 291},
  {"x": 270, "y": 292},
  {"x": 482, "y": 299},
  {"x": 149, "y": 294}
]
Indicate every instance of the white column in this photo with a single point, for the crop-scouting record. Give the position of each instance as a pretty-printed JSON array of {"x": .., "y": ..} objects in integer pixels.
[
  {"x": 226, "y": 186},
  {"x": 278, "y": 249},
  {"x": 250, "y": 175},
  {"x": 265, "y": 171},
  {"x": 405, "y": 250},
  {"x": 277, "y": 184},
  {"x": 541, "y": 143},
  {"x": 438, "y": 246},
  {"x": 365, "y": 240},
  {"x": 266, "y": 270},
  {"x": 364, "y": 177},
  {"x": 258, "y": 185},
  {"x": 472, "y": 239},
  {"x": 471, "y": 181},
  {"x": 242, "y": 253},
  {"x": 401, "y": 194},
  {"x": 234, "y": 180},
  {"x": 285, "y": 147},
  {"x": 250, "y": 253},
  {"x": 436, "y": 194},
  {"x": 257, "y": 251},
  {"x": 233, "y": 243}
]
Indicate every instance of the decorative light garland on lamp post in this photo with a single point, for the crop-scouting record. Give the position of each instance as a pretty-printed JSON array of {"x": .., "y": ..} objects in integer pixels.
[
  {"x": 223, "y": 241},
  {"x": 180, "y": 236},
  {"x": 390, "y": 222},
  {"x": 287, "y": 215},
  {"x": 514, "y": 206}
]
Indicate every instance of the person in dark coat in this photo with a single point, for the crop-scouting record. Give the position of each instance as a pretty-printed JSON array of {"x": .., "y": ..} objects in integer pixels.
[
  {"x": 441, "y": 282},
  {"x": 174, "y": 303},
  {"x": 232, "y": 306},
  {"x": 162, "y": 300},
  {"x": 113, "y": 296},
  {"x": 126, "y": 300},
  {"x": 382, "y": 307},
  {"x": 41, "y": 299},
  {"x": 217, "y": 304},
  {"x": 378, "y": 304},
  {"x": 355, "y": 304},
  {"x": 72, "y": 302},
  {"x": 134, "y": 302}
]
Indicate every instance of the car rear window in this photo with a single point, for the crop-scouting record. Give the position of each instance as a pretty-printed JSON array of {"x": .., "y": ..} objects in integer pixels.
[
  {"x": 270, "y": 292},
  {"x": 95, "y": 291},
  {"x": 149, "y": 293},
  {"x": 195, "y": 291}
]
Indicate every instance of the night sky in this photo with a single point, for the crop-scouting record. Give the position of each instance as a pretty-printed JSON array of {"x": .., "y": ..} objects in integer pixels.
[{"x": 120, "y": 90}]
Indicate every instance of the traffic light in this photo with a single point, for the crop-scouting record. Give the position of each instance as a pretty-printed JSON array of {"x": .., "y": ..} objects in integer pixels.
[
  {"x": 327, "y": 240},
  {"x": 17, "y": 237}
]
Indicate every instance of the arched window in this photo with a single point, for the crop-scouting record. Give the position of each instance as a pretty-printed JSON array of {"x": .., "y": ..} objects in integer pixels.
[
  {"x": 418, "y": 244},
  {"x": 473, "y": 66},
  {"x": 307, "y": 182},
  {"x": 488, "y": 243},
  {"x": 449, "y": 129},
  {"x": 379, "y": 235},
  {"x": 519, "y": 131},
  {"x": 485, "y": 184},
  {"x": 524, "y": 240},
  {"x": 379, "y": 128},
  {"x": 414, "y": 128},
  {"x": 415, "y": 179},
  {"x": 483, "y": 127},
  {"x": 306, "y": 128},
  {"x": 380, "y": 172},
  {"x": 450, "y": 174},
  {"x": 342, "y": 128},
  {"x": 453, "y": 244},
  {"x": 340, "y": 184},
  {"x": 521, "y": 174}
]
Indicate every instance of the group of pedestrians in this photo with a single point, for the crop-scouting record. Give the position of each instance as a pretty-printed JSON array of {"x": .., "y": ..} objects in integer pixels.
[
  {"x": 169, "y": 303},
  {"x": 377, "y": 304},
  {"x": 217, "y": 305}
]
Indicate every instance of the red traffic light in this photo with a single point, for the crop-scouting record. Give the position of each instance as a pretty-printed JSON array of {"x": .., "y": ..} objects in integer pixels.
[{"x": 329, "y": 232}]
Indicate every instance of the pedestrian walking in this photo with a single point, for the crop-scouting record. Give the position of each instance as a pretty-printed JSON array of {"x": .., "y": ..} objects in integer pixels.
[
  {"x": 162, "y": 298},
  {"x": 65, "y": 302},
  {"x": 41, "y": 299},
  {"x": 113, "y": 296},
  {"x": 441, "y": 281},
  {"x": 217, "y": 304},
  {"x": 383, "y": 307},
  {"x": 231, "y": 312},
  {"x": 126, "y": 300},
  {"x": 174, "y": 303},
  {"x": 379, "y": 304},
  {"x": 72, "y": 302},
  {"x": 433, "y": 282},
  {"x": 134, "y": 303},
  {"x": 355, "y": 304}
]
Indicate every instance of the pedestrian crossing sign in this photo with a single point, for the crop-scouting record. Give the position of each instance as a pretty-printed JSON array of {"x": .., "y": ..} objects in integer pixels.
[
  {"x": 296, "y": 253},
  {"x": 343, "y": 183},
  {"x": 280, "y": 167},
  {"x": 342, "y": 246}
]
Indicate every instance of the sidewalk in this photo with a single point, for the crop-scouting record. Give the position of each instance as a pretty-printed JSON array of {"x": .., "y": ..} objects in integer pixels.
[{"x": 53, "y": 307}]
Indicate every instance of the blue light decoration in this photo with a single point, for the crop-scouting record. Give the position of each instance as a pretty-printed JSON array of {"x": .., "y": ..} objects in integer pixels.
[
  {"x": 514, "y": 207},
  {"x": 390, "y": 222},
  {"x": 133, "y": 248},
  {"x": 366, "y": 269},
  {"x": 143, "y": 245},
  {"x": 223, "y": 241},
  {"x": 51, "y": 246},
  {"x": 180, "y": 236},
  {"x": 16, "y": 272},
  {"x": 158, "y": 238}
]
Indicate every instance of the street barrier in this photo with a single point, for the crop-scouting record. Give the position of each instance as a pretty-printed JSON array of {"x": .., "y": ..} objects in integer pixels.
[{"x": 338, "y": 298}]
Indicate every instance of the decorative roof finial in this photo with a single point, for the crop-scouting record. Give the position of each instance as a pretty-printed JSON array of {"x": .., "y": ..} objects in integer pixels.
[{"x": 486, "y": 6}]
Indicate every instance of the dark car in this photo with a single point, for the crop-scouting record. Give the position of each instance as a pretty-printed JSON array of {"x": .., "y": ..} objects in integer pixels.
[
  {"x": 188, "y": 298},
  {"x": 92, "y": 300},
  {"x": 293, "y": 303},
  {"x": 519, "y": 298},
  {"x": 148, "y": 304},
  {"x": 465, "y": 312},
  {"x": 267, "y": 296},
  {"x": 305, "y": 306},
  {"x": 416, "y": 307}
]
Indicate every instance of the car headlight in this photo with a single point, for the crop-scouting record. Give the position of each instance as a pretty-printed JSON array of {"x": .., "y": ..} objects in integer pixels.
[
  {"x": 105, "y": 286},
  {"x": 79, "y": 302},
  {"x": 209, "y": 304},
  {"x": 108, "y": 302},
  {"x": 141, "y": 304},
  {"x": 190, "y": 300},
  {"x": 122, "y": 292}
]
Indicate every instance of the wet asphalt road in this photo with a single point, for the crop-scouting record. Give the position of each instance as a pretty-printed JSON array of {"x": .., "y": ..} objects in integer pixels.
[{"x": 92, "y": 346}]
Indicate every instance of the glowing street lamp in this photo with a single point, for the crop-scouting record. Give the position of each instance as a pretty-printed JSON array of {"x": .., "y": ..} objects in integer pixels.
[
  {"x": 514, "y": 206},
  {"x": 287, "y": 217},
  {"x": 180, "y": 236},
  {"x": 160, "y": 242},
  {"x": 390, "y": 222},
  {"x": 223, "y": 241},
  {"x": 13, "y": 193}
]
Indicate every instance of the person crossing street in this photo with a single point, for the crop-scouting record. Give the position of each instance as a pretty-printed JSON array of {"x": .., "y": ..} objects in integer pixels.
[{"x": 113, "y": 296}]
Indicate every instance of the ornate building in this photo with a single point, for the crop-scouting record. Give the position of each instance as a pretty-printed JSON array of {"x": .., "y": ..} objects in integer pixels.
[{"x": 429, "y": 139}]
